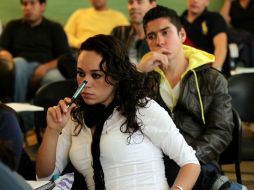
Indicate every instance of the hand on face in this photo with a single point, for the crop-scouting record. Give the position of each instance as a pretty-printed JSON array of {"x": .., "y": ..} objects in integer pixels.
[
  {"x": 154, "y": 59},
  {"x": 57, "y": 116}
]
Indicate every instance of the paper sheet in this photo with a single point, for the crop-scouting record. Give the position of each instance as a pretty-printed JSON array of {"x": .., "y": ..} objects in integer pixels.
[
  {"x": 20, "y": 107},
  {"x": 36, "y": 184}
]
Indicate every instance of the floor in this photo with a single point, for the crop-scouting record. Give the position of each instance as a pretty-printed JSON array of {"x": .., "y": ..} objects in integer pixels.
[
  {"x": 247, "y": 168},
  {"x": 247, "y": 173}
]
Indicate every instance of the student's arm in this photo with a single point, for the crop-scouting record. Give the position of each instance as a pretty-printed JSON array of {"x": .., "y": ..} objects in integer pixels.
[
  {"x": 220, "y": 43},
  {"x": 186, "y": 176},
  {"x": 57, "y": 118},
  {"x": 6, "y": 61},
  {"x": 161, "y": 130},
  {"x": 4, "y": 54},
  {"x": 217, "y": 28},
  {"x": 225, "y": 9},
  {"x": 41, "y": 70},
  {"x": 46, "y": 157}
]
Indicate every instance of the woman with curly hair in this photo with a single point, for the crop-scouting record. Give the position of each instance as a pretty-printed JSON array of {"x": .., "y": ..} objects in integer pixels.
[{"x": 113, "y": 134}]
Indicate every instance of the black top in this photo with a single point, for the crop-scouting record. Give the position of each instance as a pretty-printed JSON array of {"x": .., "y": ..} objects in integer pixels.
[
  {"x": 42, "y": 43},
  {"x": 242, "y": 18},
  {"x": 202, "y": 31}
]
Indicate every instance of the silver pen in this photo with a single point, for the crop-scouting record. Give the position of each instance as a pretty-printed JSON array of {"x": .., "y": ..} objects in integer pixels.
[{"x": 78, "y": 91}]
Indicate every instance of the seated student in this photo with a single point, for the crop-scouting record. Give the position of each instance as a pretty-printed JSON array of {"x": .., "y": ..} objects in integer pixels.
[
  {"x": 35, "y": 44},
  {"x": 193, "y": 93},
  {"x": 133, "y": 35},
  {"x": 11, "y": 137},
  {"x": 114, "y": 126},
  {"x": 240, "y": 15},
  {"x": 98, "y": 19},
  {"x": 10, "y": 133},
  {"x": 206, "y": 30}
]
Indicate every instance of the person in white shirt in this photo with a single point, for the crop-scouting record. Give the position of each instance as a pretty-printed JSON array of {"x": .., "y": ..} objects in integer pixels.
[{"x": 113, "y": 134}]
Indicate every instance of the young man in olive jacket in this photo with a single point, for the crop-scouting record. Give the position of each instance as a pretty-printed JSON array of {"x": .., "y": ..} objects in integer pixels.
[{"x": 194, "y": 94}]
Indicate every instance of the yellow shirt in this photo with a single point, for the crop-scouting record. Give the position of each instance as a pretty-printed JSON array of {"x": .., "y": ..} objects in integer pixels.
[{"x": 85, "y": 23}]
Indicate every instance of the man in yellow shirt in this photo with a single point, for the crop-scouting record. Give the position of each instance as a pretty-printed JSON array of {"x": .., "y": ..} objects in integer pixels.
[{"x": 98, "y": 19}]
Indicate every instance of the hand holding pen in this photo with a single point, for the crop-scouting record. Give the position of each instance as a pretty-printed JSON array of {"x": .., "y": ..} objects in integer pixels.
[
  {"x": 57, "y": 116},
  {"x": 77, "y": 93}
]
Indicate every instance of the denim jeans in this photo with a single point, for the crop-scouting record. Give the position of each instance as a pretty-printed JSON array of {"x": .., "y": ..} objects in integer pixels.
[
  {"x": 209, "y": 173},
  {"x": 235, "y": 186},
  {"x": 23, "y": 72}
]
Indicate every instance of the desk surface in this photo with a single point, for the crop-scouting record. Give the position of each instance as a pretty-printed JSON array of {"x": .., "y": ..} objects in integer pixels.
[
  {"x": 21, "y": 107},
  {"x": 36, "y": 184},
  {"x": 240, "y": 70}
]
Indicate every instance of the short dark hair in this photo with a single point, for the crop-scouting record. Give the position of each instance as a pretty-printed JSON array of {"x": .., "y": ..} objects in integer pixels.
[
  {"x": 152, "y": 1},
  {"x": 41, "y": 1},
  {"x": 162, "y": 12}
]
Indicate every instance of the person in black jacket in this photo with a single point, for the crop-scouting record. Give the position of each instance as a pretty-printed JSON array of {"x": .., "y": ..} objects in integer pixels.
[{"x": 194, "y": 94}]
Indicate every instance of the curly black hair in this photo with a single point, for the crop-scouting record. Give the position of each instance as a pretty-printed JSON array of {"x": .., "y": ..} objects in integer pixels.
[{"x": 130, "y": 94}]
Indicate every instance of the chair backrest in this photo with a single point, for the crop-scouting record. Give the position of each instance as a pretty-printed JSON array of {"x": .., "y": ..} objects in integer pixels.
[
  {"x": 233, "y": 151},
  {"x": 47, "y": 96},
  {"x": 242, "y": 92},
  {"x": 232, "y": 154}
]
